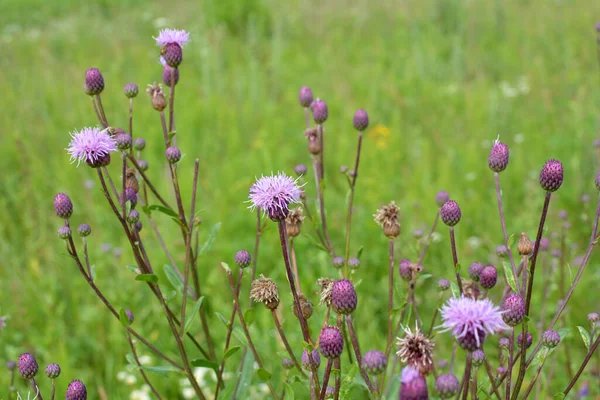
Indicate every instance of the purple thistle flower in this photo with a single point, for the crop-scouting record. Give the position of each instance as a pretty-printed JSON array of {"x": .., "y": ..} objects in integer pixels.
[
  {"x": 478, "y": 358},
  {"x": 11, "y": 365},
  {"x": 343, "y": 297},
  {"x": 374, "y": 362},
  {"x": 498, "y": 159},
  {"x": 593, "y": 317},
  {"x": 94, "y": 82},
  {"x": 319, "y": 111},
  {"x": 513, "y": 309},
  {"x": 167, "y": 72},
  {"x": 502, "y": 251},
  {"x": 551, "y": 339},
  {"x": 331, "y": 342},
  {"x": 450, "y": 213},
  {"x": 488, "y": 277},
  {"x": 63, "y": 206},
  {"x": 91, "y": 145},
  {"x": 443, "y": 284},
  {"x": 173, "y": 154},
  {"x": 53, "y": 371},
  {"x": 167, "y": 36},
  {"x": 471, "y": 320},
  {"x": 551, "y": 176},
  {"x": 441, "y": 197},
  {"x": 447, "y": 385},
  {"x": 131, "y": 90},
  {"x": 316, "y": 357},
  {"x": 28, "y": 366},
  {"x": 76, "y": 391},
  {"x": 338, "y": 262},
  {"x": 360, "y": 120},
  {"x": 353, "y": 263},
  {"x": 273, "y": 194},
  {"x": 528, "y": 340},
  {"x": 243, "y": 258},
  {"x": 305, "y": 97},
  {"x": 413, "y": 385},
  {"x": 475, "y": 270},
  {"x": 300, "y": 169}
]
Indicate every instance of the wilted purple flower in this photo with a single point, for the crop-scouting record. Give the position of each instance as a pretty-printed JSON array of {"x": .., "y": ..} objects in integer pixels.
[
  {"x": 94, "y": 82},
  {"x": 374, "y": 362},
  {"x": 551, "y": 338},
  {"x": 413, "y": 386},
  {"x": 273, "y": 194},
  {"x": 305, "y": 97},
  {"x": 91, "y": 145},
  {"x": 63, "y": 207},
  {"x": 76, "y": 391},
  {"x": 343, "y": 297},
  {"x": 166, "y": 36},
  {"x": 513, "y": 308},
  {"x": 316, "y": 357},
  {"x": 167, "y": 73},
  {"x": 331, "y": 342},
  {"x": 28, "y": 366},
  {"x": 360, "y": 120},
  {"x": 447, "y": 385},
  {"x": 450, "y": 213},
  {"x": 471, "y": 320},
  {"x": 131, "y": 90},
  {"x": 551, "y": 176},
  {"x": 475, "y": 270},
  {"x": 415, "y": 349},
  {"x": 53, "y": 371},
  {"x": 243, "y": 258},
  {"x": 498, "y": 159},
  {"x": 441, "y": 198}
]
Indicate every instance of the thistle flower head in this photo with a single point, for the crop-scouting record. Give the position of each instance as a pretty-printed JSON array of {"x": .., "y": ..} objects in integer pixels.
[
  {"x": 139, "y": 144},
  {"x": 524, "y": 246},
  {"x": 415, "y": 349},
  {"x": 513, "y": 308},
  {"x": 338, "y": 262},
  {"x": 501, "y": 251},
  {"x": 450, "y": 213},
  {"x": 264, "y": 290},
  {"x": 551, "y": 339},
  {"x": 123, "y": 141},
  {"x": 478, "y": 358},
  {"x": 27, "y": 365},
  {"x": 273, "y": 194},
  {"x": 443, "y": 284},
  {"x": 470, "y": 321},
  {"x": 314, "y": 144},
  {"x": 94, "y": 82},
  {"x": 360, "y": 120},
  {"x": 498, "y": 159},
  {"x": 319, "y": 111},
  {"x": 173, "y": 154},
  {"x": 64, "y": 232},
  {"x": 551, "y": 176},
  {"x": 488, "y": 277},
  {"x": 593, "y": 317},
  {"x": 475, "y": 270},
  {"x": 243, "y": 258},
  {"x": 413, "y": 386},
  {"x": 131, "y": 90},
  {"x": 305, "y": 96},
  {"x": 441, "y": 198},
  {"x": 447, "y": 385},
  {"x": 300, "y": 169},
  {"x": 91, "y": 145},
  {"x": 293, "y": 222},
  {"x": 157, "y": 95},
  {"x": 316, "y": 358},
  {"x": 374, "y": 362},
  {"x": 133, "y": 216},
  {"x": 326, "y": 285},
  {"x": 343, "y": 297},
  {"x": 63, "y": 207},
  {"x": 331, "y": 342},
  {"x": 53, "y": 371},
  {"x": 168, "y": 73},
  {"x": 166, "y": 36},
  {"x": 353, "y": 263},
  {"x": 528, "y": 340},
  {"x": 387, "y": 218},
  {"x": 76, "y": 391}
]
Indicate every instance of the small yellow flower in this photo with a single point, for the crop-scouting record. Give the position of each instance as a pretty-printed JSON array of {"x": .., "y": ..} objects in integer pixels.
[{"x": 380, "y": 134}]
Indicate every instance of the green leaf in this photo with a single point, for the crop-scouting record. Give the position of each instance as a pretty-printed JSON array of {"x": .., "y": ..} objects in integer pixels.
[
  {"x": 263, "y": 374},
  {"x": 223, "y": 320},
  {"x": 190, "y": 321},
  {"x": 346, "y": 383},
  {"x": 131, "y": 359},
  {"x": 173, "y": 277},
  {"x": 454, "y": 289},
  {"x": 132, "y": 268},
  {"x": 123, "y": 318},
  {"x": 307, "y": 346},
  {"x": 164, "y": 210},
  {"x": 239, "y": 335},
  {"x": 200, "y": 362},
  {"x": 231, "y": 351},
  {"x": 457, "y": 268},
  {"x": 559, "y": 395},
  {"x": 289, "y": 391},
  {"x": 563, "y": 333},
  {"x": 225, "y": 266},
  {"x": 511, "y": 240},
  {"x": 585, "y": 336},
  {"x": 211, "y": 239},
  {"x": 93, "y": 272},
  {"x": 170, "y": 296},
  {"x": 172, "y": 135},
  {"x": 147, "y": 278},
  {"x": 510, "y": 277},
  {"x": 424, "y": 277},
  {"x": 160, "y": 370},
  {"x": 249, "y": 316},
  {"x": 359, "y": 252}
]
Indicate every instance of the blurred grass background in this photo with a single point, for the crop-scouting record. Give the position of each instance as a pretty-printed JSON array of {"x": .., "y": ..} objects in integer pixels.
[{"x": 440, "y": 80}]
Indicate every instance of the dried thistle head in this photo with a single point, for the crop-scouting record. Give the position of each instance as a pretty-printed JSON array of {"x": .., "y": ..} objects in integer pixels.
[
  {"x": 131, "y": 180},
  {"x": 305, "y": 306},
  {"x": 326, "y": 285},
  {"x": 314, "y": 144},
  {"x": 387, "y": 218},
  {"x": 264, "y": 290},
  {"x": 158, "y": 97},
  {"x": 472, "y": 290},
  {"x": 525, "y": 246},
  {"x": 293, "y": 222},
  {"x": 415, "y": 350}
]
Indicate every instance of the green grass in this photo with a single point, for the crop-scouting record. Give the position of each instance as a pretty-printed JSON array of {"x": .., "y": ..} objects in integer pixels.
[{"x": 430, "y": 71}]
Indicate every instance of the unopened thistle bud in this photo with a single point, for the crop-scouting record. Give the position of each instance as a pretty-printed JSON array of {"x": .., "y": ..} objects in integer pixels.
[
  {"x": 331, "y": 342},
  {"x": 243, "y": 258},
  {"x": 173, "y": 154},
  {"x": 343, "y": 297},
  {"x": 441, "y": 198},
  {"x": 447, "y": 385},
  {"x": 94, "y": 82},
  {"x": 123, "y": 141},
  {"x": 405, "y": 270},
  {"x": 11, "y": 365},
  {"x": 353, "y": 263},
  {"x": 488, "y": 277},
  {"x": 63, "y": 207},
  {"x": 374, "y": 362},
  {"x": 84, "y": 230},
  {"x": 139, "y": 144},
  {"x": 387, "y": 218},
  {"x": 158, "y": 97},
  {"x": 306, "y": 306},
  {"x": 498, "y": 159},
  {"x": 528, "y": 340},
  {"x": 129, "y": 195},
  {"x": 551, "y": 177},
  {"x": 360, "y": 120},
  {"x": 264, "y": 290},
  {"x": 502, "y": 251},
  {"x": 76, "y": 391},
  {"x": 172, "y": 54},
  {"x": 550, "y": 339},
  {"x": 450, "y": 213},
  {"x": 593, "y": 317},
  {"x": 314, "y": 144},
  {"x": 130, "y": 316},
  {"x": 286, "y": 363},
  {"x": 300, "y": 169},
  {"x": 338, "y": 262},
  {"x": 478, "y": 358},
  {"x": 28, "y": 366},
  {"x": 475, "y": 270},
  {"x": 133, "y": 217},
  {"x": 316, "y": 359},
  {"x": 443, "y": 284},
  {"x": 64, "y": 232},
  {"x": 53, "y": 371},
  {"x": 131, "y": 90},
  {"x": 168, "y": 73},
  {"x": 525, "y": 246},
  {"x": 513, "y": 309},
  {"x": 138, "y": 226},
  {"x": 143, "y": 164},
  {"x": 293, "y": 222},
  {"x": 319, "y": 111},
  {"x": 305, "y": 97}
]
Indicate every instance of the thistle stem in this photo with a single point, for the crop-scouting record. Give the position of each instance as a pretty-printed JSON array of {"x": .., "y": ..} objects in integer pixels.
[
  {"x": 428, "y": 241},
  {"x": 53, "y": 393},
  {"x": 511, "y": 349},
  {"x": 523, "y": 367},
  {"x": 321, "y": 202},
  {"x": 172, "y": 102},
  {"x": 139, "y": 365},
  {"x": 455, "y": 259},
  {"x": 256, "y": 244},
  {"x": 490, "y": 374},
  {"x": 467, "y": 376},
  {"x": 338, "y": 382},
  {"x": 534, "y": 380},
  {"x": 100, "y": 119},
  {"x": 326, "y": 378},
  {"x": 286, "y": 343},
  {"x": 390, "y": 292},
  {"x": 148, "y": 183},
  {"x": 101, "y": 109},
  {"x": 358, "y": 355},
  {"x": 131, "y": 125},
  {"x": 351, "y": 199},
  {"x": 503, "y": 223},
  {"x": 294, "y": 264},
  {"x": 587, "y": 359},
  {"x": 38, "y": 394}
]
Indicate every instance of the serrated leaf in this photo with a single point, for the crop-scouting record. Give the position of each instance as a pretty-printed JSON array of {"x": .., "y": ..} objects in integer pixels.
[
  {"x": 263, "y": 374},
  {"x": 200, "y": 362},
  {"x": 173, "y": 277},
  {"x": 190, "y": 321},
  {"x": 585, "y": 336},
  {"x": 289, "y": 391},
  {"x": 249, "y": 316},
  {"x": 511, "y": 240},
  {"x": 223, "y": 320},
  {"x": 510, "y": 277},
  {"x": 160, "y": 370},
  {"x": 162, "y": 209},
  {"x": 454, "y": 289},
  {"x": 211, "y": 239},
  {"x": 147, "y": 278},
  {"x": 123, "y": 319},
  {"x": 359, "y": 252},
  {"x": 231, "y": 351}
]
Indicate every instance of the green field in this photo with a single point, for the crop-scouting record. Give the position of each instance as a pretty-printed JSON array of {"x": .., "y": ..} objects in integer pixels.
[{"x": 440, "y": 80}]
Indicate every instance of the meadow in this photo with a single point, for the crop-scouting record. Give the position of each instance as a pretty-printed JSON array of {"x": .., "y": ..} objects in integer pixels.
[{"x": 440, "y": 80}]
